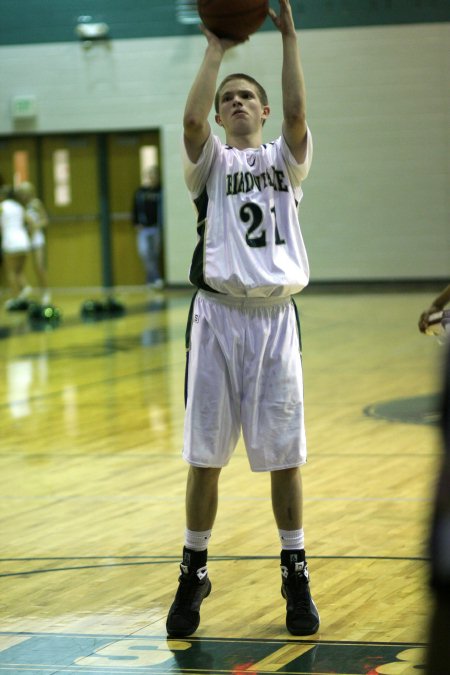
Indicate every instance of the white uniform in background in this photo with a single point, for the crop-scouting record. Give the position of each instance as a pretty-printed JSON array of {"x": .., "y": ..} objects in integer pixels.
[
  {"x": 15, "y": 238},
  {"x": 36, "y": 212}
]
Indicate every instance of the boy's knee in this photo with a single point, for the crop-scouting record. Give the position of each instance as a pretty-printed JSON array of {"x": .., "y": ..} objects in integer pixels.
[
  {"x": 285, "y": 474},
  {"x": 202, "y": 474}
]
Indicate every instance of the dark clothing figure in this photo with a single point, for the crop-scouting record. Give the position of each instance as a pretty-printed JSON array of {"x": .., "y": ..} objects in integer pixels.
[
  {"x": 439, "y": 650},
  {"x": 147, "y": 206},
  {"x": 147, "y": 218}
]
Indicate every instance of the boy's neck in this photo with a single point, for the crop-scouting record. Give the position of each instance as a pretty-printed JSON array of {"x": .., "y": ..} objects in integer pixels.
[{"x": 244, "y": 142}]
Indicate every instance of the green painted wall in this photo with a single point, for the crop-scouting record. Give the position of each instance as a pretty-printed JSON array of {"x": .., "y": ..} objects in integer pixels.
[{"x": 44, "y": 21}]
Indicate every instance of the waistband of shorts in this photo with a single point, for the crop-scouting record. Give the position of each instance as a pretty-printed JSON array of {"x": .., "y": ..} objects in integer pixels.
[{"x": 244, "y": 301}]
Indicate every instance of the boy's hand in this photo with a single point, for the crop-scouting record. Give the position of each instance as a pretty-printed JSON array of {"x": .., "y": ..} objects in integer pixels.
[
  {"x": 221, "y": 43},
  {"x": 284, "y": 21}
]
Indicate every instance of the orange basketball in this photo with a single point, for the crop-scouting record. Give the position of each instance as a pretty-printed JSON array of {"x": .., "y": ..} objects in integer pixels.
[{"x": 234, "y": 19}]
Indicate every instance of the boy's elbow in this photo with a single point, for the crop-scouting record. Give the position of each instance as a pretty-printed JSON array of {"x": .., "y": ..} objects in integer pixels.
[
  {"x": 295, "y": 117},
  {"x": 192, "y": 124},
  {"x": 296, "y": 124}
]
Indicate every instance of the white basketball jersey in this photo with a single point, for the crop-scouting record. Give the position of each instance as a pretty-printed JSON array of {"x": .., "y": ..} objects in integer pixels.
[
  {"x": 15, "y": 237},
  {"x": 249, "y": 237}
]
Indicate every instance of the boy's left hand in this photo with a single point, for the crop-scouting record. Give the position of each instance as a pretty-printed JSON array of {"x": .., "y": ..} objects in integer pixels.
[{"x": 284, "y": 21}]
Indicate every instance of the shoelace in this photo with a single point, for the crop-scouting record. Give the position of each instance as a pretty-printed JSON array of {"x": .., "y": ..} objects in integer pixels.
[
  {"x": 187, "y": 589},
  {"x": 298, "y": 585}
]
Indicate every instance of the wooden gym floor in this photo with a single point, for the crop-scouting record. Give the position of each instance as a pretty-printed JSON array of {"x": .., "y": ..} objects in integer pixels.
[{"x": 92, "y": 495}]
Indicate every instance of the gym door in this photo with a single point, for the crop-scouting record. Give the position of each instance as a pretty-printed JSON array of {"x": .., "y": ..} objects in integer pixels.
[{"x": 70, "y": 191}]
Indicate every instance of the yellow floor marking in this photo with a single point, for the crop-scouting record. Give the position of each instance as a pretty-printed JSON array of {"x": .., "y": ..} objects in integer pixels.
[{"x": 281, "y": 657}]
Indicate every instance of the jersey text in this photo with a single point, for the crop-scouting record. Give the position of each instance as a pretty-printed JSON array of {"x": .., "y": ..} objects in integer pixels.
[{"x": 244, "y": 181}]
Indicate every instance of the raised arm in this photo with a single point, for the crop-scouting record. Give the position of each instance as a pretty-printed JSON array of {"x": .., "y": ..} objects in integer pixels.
[
  {"x": 201, "y": 95},
  {"x": 293, "y": 83}
]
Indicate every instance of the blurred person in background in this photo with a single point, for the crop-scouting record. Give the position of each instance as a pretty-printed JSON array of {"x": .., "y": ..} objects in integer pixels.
[
  {"x": 147, "y": 219},
  {"x": 438, "y": 656},
  {"x": 37, "y": 220},
  {"x": 437, "y": 305},
  {"x": 15, "y": 247}
]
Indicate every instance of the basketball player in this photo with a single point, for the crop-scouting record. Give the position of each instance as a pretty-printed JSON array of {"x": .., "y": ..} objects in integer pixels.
[
  {"x": 38, "y": 221},
  {"x": 438, "y": 653},
  {"x": 243, "y": 344},
  {"x": 15, "y": 243}
]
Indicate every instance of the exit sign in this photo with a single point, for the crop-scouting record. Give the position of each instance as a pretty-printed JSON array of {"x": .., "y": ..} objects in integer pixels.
[{"x": 23, "y": 107}]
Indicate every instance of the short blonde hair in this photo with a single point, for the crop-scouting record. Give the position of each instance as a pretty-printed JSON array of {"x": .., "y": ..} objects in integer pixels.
[
  {"x": 262, "y": 95},
  {"x": 26, "y": 189}
]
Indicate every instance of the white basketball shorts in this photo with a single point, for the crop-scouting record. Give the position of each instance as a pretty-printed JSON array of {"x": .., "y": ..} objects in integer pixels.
[
  {"x": 244, "y": 372},
  {"x": 15, "y": 241},
  {"x": 37, "y": 240}
]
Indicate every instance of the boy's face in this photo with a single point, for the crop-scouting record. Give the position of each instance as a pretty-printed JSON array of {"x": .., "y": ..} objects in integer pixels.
[{"x": 240, "y": 108}]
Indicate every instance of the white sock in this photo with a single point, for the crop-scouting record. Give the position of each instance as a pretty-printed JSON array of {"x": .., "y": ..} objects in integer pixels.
[
  {"x": 197, "y": 541},
  {"x": 292, "y": 540}
]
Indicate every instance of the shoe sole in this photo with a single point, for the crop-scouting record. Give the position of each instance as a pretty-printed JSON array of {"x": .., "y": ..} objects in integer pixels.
[{"x": 310, "y": 631}]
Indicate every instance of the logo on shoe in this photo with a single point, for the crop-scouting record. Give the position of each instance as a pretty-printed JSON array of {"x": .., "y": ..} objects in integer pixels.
[
  {"x": 302, "y": 568},
  {"x": 202, "y": 573}
]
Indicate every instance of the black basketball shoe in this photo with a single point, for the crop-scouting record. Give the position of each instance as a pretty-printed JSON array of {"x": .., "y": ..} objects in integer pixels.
[
  {"x": 302, "y": 617},
  {"x": 194, "y": 586}
]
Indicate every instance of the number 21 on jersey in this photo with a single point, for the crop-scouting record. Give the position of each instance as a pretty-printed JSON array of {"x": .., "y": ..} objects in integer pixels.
[{"x": 255, "y": 236}]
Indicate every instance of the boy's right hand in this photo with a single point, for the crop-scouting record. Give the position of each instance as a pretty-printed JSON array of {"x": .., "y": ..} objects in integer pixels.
[{"x": 221, "y": 43}]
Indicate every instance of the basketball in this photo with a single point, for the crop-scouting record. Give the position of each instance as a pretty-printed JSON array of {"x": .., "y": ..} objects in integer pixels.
[{"x": 233, "y": 19}]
